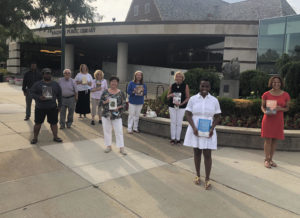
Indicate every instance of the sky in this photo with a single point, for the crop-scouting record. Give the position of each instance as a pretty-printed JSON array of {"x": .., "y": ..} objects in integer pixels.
[{"x": 118, "y": 9}]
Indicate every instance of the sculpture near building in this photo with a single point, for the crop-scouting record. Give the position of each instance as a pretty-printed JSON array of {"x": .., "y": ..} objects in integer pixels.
[{"x": 230, "y": 82}]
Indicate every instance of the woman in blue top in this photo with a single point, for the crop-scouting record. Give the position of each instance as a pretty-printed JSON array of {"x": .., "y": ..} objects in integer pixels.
[{"x": 136, "y": 91}]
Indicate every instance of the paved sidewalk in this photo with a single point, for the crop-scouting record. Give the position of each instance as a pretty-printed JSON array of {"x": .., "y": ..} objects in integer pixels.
[{"x": 77, "y": 179}]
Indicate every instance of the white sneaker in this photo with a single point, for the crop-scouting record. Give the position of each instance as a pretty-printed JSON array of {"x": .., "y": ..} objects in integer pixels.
[{"x": 107, "y": 149}]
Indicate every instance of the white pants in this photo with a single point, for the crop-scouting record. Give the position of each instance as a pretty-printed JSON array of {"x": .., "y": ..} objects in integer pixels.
[
  {"x": 107, "y": 130},
  {"x": 134, "y": 111},
  {"x": 176, "y": 116}
]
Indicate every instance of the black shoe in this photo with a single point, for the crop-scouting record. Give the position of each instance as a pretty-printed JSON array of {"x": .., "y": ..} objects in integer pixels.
[
  {"x": 26, "y": 118},
  {"x": 57, "y": 139},
  {"x": 100, "y": 121},
  {"x": 68, "y": 126},
  {"x": 33, "y": 141},
  {"x": 92, "y": 122},
  {"x": 61, "y": 127}
]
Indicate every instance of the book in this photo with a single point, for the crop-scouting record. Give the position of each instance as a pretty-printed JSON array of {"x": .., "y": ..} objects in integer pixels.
[
  {"x": 139, "y": 90},
  {"x": 204, "y": 126},
  {"x": 98, "y": 83},
  {"x": 112, "y": 104},
  {"x": 84, "y": 80},
  {"x": 177, "y": 98},
  {"x": 47, "y": 92},
  {"x": 271, "y": 107}
]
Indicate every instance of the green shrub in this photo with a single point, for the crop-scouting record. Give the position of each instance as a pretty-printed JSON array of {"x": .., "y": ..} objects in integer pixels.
[
  {"x": 163, "y": 97},
  {"x": 194, "y": 76},
  {"x": 292, "y": 80},
  {"x": 255, "y": 107},
  {"x": 253, "y": 81},
  {"x": 227, "y": 106}
]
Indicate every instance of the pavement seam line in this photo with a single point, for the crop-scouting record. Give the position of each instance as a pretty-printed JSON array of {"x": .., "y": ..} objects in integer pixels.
[
  {"x": 227, "y": 186},
  {"x": 43, "y": 200},
  {"x": 119, "y": 202}
]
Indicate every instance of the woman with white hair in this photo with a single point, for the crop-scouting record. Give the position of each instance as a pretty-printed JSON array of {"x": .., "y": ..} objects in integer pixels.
[
  {"x": 136, "y": 91},
  {"x": 99, "y": 84},
  {"x": 178, "y": 96}
]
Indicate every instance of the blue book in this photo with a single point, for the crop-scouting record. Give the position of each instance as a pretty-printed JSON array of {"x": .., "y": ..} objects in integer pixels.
[{"x": 204, "y": 126}]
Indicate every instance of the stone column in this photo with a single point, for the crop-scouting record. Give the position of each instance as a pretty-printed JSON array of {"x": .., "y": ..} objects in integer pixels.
[
  {"x": 14, "y": 58},
  {"x": 122, "y": 61},
  {"x": 69, "y": 57}
]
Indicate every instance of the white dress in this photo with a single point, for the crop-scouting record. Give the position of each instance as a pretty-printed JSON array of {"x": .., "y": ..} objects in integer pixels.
[{"x": 202, "y": 108}]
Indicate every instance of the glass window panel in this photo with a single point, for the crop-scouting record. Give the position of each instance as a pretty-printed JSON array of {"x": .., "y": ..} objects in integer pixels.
[
  {"x": 293, "y": 24},
  {"x": 272, "y": 26}
]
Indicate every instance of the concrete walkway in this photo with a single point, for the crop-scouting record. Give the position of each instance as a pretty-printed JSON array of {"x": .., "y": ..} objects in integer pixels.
[{"x": 77, "y": 179}]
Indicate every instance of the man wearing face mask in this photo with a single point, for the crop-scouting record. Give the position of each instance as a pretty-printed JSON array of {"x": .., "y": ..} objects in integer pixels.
[{"x": 47, "y": 95}]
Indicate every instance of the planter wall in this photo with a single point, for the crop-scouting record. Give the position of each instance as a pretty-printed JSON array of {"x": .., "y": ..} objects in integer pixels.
[{"x": 227, "y": 136}]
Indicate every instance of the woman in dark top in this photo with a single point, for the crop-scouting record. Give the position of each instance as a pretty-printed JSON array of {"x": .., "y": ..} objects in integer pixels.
[
  {"x": 178, "y": 96},
  {"x": 113, "y": 101}
]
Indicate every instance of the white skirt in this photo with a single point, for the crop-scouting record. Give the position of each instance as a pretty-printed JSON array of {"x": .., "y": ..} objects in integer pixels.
[{"x": 191, "y": 140}]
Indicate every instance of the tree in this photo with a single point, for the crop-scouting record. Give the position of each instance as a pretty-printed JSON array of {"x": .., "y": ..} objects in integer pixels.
[{"x": 15, "y": 13}]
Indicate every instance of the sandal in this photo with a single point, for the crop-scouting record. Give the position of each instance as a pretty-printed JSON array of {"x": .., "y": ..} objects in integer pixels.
[
  {"x": 33, "y": 141},
  {"x": 122, "y": 151},
  {"x": 172, "y": 142},
  {"x": 107, "y": 149},
  {"x": 273, "y": 164},
  {"x": 207, "y": 185},
  {"x": 197, "y": 180},
  {"x": 57, "y": 139},
  {"x": 267, "y": 164}
]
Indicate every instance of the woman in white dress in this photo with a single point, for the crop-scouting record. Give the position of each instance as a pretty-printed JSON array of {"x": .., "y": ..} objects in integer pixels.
[{"x": 205, "y": 107}]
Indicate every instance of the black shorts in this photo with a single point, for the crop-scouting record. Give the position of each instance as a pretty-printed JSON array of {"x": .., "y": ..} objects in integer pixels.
[{"x": 40, "y": 114}]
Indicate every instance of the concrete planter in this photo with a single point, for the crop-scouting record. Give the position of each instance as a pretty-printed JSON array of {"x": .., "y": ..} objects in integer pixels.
[
  {"x": 227, "y": 136},
  {"x": 11, "y": 81},
  {"x": 18, "y": 82}
]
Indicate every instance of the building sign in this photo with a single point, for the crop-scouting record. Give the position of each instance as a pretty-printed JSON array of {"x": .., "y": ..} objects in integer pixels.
[{"x": 55, "y": 32}]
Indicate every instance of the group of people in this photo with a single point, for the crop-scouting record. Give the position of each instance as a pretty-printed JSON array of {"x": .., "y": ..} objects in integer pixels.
[{"x": 202, "y": 110}]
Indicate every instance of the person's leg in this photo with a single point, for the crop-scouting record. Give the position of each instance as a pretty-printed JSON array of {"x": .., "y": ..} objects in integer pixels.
[
  {"x": 172, "y": 113},
  {"x": 28, "y": 104},
  {"x": 207, "y": 162},
  {"x": 39, "y": 117},
  {"x": 136, "y": 117},
  {"x": 179, "y": 119},
  {"x": 130, "y": 117},
  {"x": 107, "y": 131},
  {"x": 52, "y": 118},
  {"x": 71, "y": 109},
  {"x": 118, "y": 128},
  {"x": 197, "y": 161},
  {"x": 273, "y": 148},
  {"x": 99, "y": 112},
  {"x": 94, "y": 105},
  {"x": 62, "y": 120},
  {"x": 267, "y": 150}
]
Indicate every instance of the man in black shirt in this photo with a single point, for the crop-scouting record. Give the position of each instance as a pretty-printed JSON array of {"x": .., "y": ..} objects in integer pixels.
[
  {"x": 47, "y": 94},
  {"x": 29, "y": 79}
]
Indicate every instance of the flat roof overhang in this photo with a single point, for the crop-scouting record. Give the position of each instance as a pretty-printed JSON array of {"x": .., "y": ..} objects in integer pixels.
[{"x": 170, "y": 28}]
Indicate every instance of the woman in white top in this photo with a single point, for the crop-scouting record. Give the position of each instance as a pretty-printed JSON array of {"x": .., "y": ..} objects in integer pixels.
[
  {"x": 99, "y": 84},
  {"x": 206, "y": 107},
  {"x": 84, "y": 81}
]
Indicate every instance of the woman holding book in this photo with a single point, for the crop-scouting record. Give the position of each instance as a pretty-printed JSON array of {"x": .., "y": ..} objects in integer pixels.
[
  {"x": 113, "y": 102},
  {"x": 274, "y": 103},
  {"x": 84, "y": 81},
  {"x": 178, "y": 96},
  {"x": 202, "y": 112},
  {"x": 99, "y": 84},
  {"x": 136, "y": 91}
]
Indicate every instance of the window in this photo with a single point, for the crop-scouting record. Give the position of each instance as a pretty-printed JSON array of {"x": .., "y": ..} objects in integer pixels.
[
  {"x": 147, "y": 8},
  {"x": 136, "y": 10}
]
